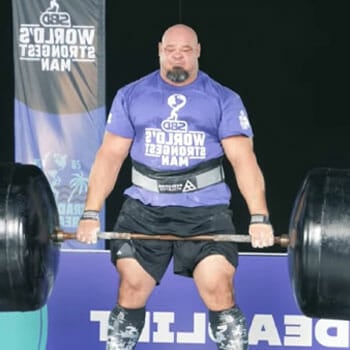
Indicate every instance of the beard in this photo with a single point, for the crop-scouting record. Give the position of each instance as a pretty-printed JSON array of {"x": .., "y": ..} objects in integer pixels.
[{"x": 177, "y": 75}]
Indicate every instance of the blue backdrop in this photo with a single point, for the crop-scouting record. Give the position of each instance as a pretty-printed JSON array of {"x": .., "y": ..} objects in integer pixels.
[{"x": 85, "y": 290}]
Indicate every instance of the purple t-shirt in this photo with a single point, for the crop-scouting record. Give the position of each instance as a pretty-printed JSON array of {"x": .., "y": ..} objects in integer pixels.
[{"x": 176, "y": 128}]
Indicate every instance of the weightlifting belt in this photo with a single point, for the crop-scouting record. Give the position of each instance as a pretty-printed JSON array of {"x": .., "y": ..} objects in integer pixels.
[{"x": 201, "y": 176}]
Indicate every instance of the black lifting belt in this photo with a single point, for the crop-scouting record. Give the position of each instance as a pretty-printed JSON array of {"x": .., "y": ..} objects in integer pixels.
[{"x": 203, "y": 175}]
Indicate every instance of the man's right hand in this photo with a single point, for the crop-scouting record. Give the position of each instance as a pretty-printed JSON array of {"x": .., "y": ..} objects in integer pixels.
[{"x": 87, "y": 231}]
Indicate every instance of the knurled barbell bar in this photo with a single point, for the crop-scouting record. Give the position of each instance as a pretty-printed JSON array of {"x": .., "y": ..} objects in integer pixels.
[
  {"x": 282, "y": 240},
  {"x": 318, "y": 241}
]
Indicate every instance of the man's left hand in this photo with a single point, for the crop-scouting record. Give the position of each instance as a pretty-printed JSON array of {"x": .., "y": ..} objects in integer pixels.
[{"x": 261, "y": 235}]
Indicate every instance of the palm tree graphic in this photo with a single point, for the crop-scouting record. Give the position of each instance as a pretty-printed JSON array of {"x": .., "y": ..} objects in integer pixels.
[{"x": 78, "y": 184}]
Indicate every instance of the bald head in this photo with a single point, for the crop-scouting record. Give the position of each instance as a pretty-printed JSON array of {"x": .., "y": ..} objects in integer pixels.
[
  {"x": 179, "y": 52},
  {"x": 180, "y": 30}
]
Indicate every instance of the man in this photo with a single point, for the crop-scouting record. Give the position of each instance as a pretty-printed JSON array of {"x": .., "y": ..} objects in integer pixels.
[{"x": 177, "y": 123}]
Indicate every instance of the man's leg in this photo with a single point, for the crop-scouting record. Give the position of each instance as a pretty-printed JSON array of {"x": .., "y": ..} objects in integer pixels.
[
  {"x": 141, "y": 265},
  {"x": 213, "y": 276},
  {"x": 229, "y": 329},
  {"x": 127, "y": 319},
  {"x": 124, "y": 328}
]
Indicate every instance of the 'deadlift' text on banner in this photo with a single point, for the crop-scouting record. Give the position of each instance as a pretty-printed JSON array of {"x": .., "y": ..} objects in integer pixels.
[{"x": 59, "y": 60}]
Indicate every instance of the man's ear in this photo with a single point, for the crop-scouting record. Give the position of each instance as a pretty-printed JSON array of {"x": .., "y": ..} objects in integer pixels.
[{"x": 199, "y": 50}]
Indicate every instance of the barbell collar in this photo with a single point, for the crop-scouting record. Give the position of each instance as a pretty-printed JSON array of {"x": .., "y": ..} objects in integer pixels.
[{"x": 60, "y": 236}]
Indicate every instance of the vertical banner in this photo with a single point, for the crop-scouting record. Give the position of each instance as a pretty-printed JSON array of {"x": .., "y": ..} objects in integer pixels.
[{"x": 59, "y": 61}]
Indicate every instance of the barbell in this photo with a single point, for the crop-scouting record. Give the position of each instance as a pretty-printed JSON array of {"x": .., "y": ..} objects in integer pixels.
[
  {"x": 60, "y": 236},
  {"x": 318, "y": 241}
]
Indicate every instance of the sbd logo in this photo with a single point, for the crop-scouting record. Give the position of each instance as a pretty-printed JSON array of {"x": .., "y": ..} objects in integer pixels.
[{"x": 55, "y": 19}]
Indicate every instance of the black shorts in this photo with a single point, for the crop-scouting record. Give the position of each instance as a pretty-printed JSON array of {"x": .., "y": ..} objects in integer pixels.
[{"x": 155, "y": 255}]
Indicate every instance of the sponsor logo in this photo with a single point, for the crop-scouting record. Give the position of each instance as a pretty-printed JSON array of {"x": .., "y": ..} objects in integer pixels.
[
  {"x": 243, "y": 120},
  {"x": 189, "y": 186},
  {"x": 173, "y": 143},
  {"x": 55, "y": 42}
]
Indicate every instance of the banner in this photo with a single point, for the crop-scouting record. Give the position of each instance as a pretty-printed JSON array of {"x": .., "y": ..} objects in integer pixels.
[
  {"x": 76, "y": 315},
  {"x": 176, "y": 318},
  {"x": 59, "y": 61}
]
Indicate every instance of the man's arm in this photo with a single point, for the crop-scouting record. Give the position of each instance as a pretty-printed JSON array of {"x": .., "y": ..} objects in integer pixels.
[
  {"x": 103, "y": 176},
  {"x": 105, "y": 169},
  {"x": 250, "y": 181}
]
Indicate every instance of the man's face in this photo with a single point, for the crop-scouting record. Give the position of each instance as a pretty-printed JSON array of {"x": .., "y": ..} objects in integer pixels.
[{"x": 178, "y": 55}]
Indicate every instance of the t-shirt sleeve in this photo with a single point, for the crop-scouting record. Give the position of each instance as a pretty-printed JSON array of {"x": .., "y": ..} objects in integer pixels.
[
  {"x": 234, "y": 118},
  {"x": 119, "y": 121}
]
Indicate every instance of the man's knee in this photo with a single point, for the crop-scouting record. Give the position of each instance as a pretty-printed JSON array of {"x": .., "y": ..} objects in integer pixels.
[
  {"x": 133, "y": 295},
  {"x": 135, "y": 285},
  {"x": 215, "y": 283},
  {"x": 218, "y": 300}
]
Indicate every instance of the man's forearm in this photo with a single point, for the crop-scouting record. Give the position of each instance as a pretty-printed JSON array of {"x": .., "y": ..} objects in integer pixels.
[
  {"x": 251, "y": 184},
  {"x": 102, "y": 179}
]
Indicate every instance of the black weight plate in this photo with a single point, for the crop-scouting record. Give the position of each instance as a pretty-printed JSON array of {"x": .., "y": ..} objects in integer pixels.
[{"x": 28, "y": 257}]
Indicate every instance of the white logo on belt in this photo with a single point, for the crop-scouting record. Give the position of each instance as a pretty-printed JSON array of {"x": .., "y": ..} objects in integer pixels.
[{"x": 189, "y": 186}]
